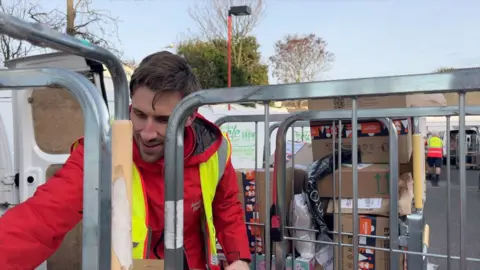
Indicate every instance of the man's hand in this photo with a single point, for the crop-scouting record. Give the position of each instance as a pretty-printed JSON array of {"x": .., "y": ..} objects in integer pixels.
[{"x": 238, "y": 265}]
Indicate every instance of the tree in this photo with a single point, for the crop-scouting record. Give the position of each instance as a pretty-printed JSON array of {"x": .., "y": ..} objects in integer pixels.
[
  {"x": 211, "y": 19},
  {"x": 300, "y": 58},
  {"x": 208, "y": 60},
  {"x": 10, "y": 47},
  {"x": 444, "y": 69},
  {"x": 96, "y": 26}
]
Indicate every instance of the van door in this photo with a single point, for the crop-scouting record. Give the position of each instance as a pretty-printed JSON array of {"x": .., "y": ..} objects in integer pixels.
[
  {"x": 47, "y": 122},
  {"x": 8, "y": 187}
]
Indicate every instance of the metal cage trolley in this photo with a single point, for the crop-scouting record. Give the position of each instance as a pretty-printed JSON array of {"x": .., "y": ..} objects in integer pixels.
[
  {"x": 409, "y": 237},
  {"x": 97, "y": 225}
]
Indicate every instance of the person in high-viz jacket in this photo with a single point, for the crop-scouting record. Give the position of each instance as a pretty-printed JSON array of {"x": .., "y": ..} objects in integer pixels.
[{"x": 33, "y": 230}]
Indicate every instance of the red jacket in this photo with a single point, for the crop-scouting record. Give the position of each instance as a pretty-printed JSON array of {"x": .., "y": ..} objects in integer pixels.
[{"x": 33, "y": 230}]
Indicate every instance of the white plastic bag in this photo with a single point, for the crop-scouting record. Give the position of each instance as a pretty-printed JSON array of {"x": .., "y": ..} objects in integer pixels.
[
  {"x": 324, "y": 252},
  {"x": 300, "y": 217}
]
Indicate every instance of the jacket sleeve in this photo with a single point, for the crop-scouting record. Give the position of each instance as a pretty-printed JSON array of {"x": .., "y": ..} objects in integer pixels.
[
  {"x": 229, "y": 218},
  {"x": 33, "y": 230}
]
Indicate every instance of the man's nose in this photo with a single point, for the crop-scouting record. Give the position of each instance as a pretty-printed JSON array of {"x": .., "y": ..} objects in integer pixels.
[
  {"x": 149, "y": 131},
  {"x": 148, "y": 135}
]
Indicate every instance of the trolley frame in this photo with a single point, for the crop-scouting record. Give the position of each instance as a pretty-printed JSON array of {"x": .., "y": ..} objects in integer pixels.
[
  {"x": 96, "y": 250},
  {"x": 461, "y": 81}
]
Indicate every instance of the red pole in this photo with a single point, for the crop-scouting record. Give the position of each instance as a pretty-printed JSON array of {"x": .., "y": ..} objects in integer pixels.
[{"x": 229, "y": 56}]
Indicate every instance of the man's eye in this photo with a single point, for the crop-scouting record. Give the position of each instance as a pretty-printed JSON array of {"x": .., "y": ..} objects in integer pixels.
[
  {"x": 161, "y": 119},
  {"x": 140, "y": 115}
]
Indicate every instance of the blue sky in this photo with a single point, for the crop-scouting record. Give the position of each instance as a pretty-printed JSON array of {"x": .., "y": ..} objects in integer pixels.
[{"x": 368, "y": 37}]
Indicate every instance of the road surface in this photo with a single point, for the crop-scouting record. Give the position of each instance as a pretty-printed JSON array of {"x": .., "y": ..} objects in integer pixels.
[{"x": 435, "y": 214}]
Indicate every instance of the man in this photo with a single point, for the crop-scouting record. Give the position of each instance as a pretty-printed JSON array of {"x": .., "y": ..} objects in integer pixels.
[
  {"x": 33, "y": 230},
  {"x": 434, "y": 157}
]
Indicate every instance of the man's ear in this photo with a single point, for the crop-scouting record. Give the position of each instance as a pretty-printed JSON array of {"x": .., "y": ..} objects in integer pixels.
[{"x": 191, "y": 118}]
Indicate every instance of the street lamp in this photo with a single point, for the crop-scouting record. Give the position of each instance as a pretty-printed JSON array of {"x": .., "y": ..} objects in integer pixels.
[
  {"x": 169, "y": 46},
  {"x": 233, "y": 11}
]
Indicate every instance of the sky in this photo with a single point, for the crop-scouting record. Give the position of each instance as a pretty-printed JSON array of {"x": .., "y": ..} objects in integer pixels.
[{"x": 368, "y": 37}]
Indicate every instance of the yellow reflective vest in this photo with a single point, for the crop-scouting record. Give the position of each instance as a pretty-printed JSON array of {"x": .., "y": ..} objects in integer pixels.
[
  {"x": 211, "y": 173},
  {"x": 435, "y": 147}
]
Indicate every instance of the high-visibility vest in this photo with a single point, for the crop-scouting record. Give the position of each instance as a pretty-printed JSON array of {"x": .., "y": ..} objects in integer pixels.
[
  {"x": 211, "y": 173},
  {"x": 435, "y": 147}
]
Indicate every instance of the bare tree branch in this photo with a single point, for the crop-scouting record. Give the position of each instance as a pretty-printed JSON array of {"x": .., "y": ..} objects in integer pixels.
[
  {"x": 97, "y": 26},
  {"x": 211, "y": 18},
  {"x": 12, "y": 48}
]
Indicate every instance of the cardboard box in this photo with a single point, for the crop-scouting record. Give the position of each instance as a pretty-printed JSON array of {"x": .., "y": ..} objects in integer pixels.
[
  {"x": 250, "y": 184},
  {"x": 302, "y": 154},
  {"x": 148, "y": 264},
  {"x": 373, "y": 140},
  {"x": 373, "y": 182},
  {"x": 366, "y": 206},
  {"x": 379, "y": 102},
  {"x": 368, "y": 258},
  {"x": 378, "y": 206}
]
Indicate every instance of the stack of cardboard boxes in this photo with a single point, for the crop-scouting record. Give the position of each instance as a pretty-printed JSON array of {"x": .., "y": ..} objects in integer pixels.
[
  {"x": 373, "y": 173},
  {"x": 373, "y": 180},
  {"x": 253, "y": 193}
]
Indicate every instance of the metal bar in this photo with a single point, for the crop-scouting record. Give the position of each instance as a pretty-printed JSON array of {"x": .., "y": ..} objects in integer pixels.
[
  {"x": 419, "y": 254},
  {"x": 463, "y": 184},
  {"x": 268, "y": 194},
  {"x": 44, "y": 36},
  {"x": 96, "y": 185},
  {"x": 293, "y": 190},
  {"x": 459, "y": 80},
  {"x": 249, "y": 118},
  {"x": 280, "y": 176},
  {"x": 255, "y": 210},
  {"x": 356, "y": 222},
  {"x": 334, "y": 180},
  {"x": 339, "y": 224},
  {"x": 174, "y": 167},
  {"x": 298, "y": 124},
  {"x": 394, "y": 174},
  {"x": 449, "y": 196},
  {"x": 393, "y": 113}
]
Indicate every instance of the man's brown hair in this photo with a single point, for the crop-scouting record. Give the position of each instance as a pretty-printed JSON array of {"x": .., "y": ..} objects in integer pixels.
[{"x": 164, "y": 72}]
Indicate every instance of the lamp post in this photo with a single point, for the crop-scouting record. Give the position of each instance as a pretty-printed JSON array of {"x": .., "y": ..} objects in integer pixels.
[
  {"x": 169, "y": 46},
  {"x": 233, "y": 11}
]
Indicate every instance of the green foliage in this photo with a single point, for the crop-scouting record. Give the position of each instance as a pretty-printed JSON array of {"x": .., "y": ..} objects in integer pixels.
[
  {"x": 444, "y": 69},
  {"x": 209, "y": 62}
]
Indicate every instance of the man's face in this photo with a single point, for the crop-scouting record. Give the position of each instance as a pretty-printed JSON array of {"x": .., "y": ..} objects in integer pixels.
[{"x": 150, "y": 122}]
